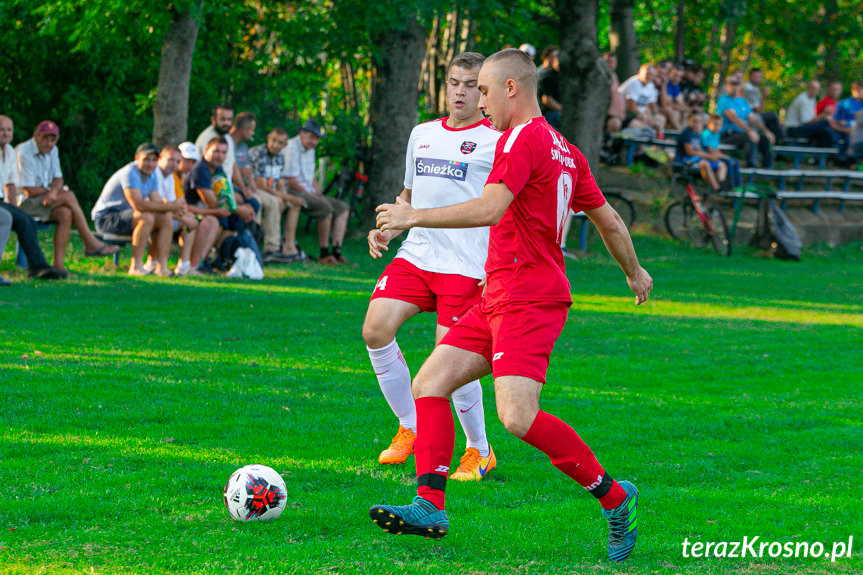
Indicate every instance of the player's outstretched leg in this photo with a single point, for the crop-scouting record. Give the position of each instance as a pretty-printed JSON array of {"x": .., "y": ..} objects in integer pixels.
[
  {"x": 419, "y": 518},
  {"x": 622, "y": 524}
]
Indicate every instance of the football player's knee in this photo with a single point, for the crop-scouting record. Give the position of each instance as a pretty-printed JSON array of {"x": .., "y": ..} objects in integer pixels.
[
  {"x": 375, "y": 335},
  {"x": 514, "y": 421}
]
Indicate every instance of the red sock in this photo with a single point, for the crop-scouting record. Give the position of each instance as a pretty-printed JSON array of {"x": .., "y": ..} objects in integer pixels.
[
  {"x": 433, "y": 447},
  {"x": 572, "y": 456}
]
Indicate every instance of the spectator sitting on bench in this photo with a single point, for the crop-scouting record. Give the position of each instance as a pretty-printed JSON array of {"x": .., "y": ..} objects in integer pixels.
[
  {"x": 847, "y": 112},
  {"x": 171, "y": 190},
  {"x": 693, "y": 158},
  {"x": 548, "y": 86},
  {"x": 755, "y": 94},
  {"x": 330, "y": 213},
  {"x": 130, "y": 205},
  {"x": 195, "y": 240},
  {"x": 220, "y": 125},
  {"x": 642, "y": 99},
  {"x": 710, "y": 144},
  {"x": 21, "y": 223},
  {"x": 268, "y": 167},
  {"x": 47, "y": 198},
  {"x": 693, "y": 94},
  {"x": 673, "y": 106},
  {"x": 801, "y": 121},
  {"x": 742, "y": 127},
  {"x": 616, "y": 113},
  {"x": 831, "y": 99},
  {"x": 200, "y": 186}
]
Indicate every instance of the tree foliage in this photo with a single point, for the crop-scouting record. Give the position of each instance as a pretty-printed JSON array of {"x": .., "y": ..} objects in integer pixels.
[{"x": 93, "y": 65}]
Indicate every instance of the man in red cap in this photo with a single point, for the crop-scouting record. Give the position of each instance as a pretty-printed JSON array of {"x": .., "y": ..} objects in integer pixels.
[{"x": 47, "y": 198}]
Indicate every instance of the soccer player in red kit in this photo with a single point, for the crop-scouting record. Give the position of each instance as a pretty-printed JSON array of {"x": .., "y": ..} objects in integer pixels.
[{"x": 536, "y": 178}]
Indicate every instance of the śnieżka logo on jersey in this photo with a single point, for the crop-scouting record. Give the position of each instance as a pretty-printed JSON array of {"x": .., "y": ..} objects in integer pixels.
[{"x": 437, "y": 168}]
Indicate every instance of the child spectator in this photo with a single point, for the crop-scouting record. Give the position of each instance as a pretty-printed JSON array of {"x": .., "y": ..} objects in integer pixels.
[
  {"x": 710, "y": 144},
  {"x": 691, "y": 155}
]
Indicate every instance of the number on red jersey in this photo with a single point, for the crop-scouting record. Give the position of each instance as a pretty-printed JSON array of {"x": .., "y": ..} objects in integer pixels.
[{"x": 564, "y": 196}]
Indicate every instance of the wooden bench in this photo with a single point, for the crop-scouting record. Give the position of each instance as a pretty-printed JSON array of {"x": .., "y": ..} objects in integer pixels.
[
  {"x": 818, "y": 195},
  {"x": 115, "y": 240},
  {"x": 806, "y": 195},
  {"x": 631, "y": 143},
  {"x": 799, "y": 153},
  {"x": 781, "y": 176}
]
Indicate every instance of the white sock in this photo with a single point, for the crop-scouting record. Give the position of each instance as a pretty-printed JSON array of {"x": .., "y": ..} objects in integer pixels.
[
  {"x": 395, "y": 381},
  {"x": 468, "y": 406}
]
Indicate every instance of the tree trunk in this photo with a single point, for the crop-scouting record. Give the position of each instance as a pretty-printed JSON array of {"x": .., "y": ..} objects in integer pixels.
[
  {"x": 171, "y": 109},
  {"x": 727, "y": 39},
  {"x": 622, "y": 38},
  {"x": 831, "y": 41},
  {"x": 585, "y": 80},
  {"x": 393, "y": 110},
  {"x": 680, "y": 33}
]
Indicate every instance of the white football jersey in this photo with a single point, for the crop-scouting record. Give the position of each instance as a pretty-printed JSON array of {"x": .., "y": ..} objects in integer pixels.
[{"x": 446, "y": 166}]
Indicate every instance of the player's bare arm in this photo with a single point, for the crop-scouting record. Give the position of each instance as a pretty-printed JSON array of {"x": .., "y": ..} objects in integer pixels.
[
  {"x": 379, "y": 240},
  {"x": 486, "y": 210},
  {"x": 619, "y": 244}
]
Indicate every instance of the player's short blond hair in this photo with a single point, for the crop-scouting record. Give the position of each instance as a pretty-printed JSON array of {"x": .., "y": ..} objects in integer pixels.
[{"x": 515, "y": 64}]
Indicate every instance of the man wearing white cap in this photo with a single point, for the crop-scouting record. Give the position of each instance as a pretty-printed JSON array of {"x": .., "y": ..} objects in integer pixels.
[
  {"x": 208, "y": 225},
  {"x": 171, "y": 190}
]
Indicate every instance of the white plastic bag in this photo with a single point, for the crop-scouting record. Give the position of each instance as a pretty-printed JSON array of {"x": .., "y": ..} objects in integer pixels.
[{"x": 246, "y": 265}]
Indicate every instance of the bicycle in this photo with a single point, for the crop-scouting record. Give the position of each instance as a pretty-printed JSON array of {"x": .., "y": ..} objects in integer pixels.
[{"x": 697, "y": 221}]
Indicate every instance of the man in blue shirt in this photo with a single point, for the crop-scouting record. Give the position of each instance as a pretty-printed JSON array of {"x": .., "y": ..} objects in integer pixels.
[
  {"x": 743, "y": 128},
  {"x": 130, "y": 204},
  {"x": 846, "y": 114}
]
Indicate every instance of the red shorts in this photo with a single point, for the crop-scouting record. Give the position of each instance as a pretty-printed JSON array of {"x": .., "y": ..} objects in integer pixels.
[
  {"x": 450, "y": 295},
  {"x": 515, "y": 338}
]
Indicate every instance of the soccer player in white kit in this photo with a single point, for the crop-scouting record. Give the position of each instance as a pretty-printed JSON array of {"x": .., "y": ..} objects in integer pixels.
[{"x": 442, "y": 270}]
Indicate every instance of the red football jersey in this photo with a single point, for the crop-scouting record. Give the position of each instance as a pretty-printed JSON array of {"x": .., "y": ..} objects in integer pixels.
[{"x": 547, "y": 175}]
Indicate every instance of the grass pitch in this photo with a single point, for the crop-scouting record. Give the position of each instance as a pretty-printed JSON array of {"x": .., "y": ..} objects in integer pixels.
[{"x": 732, "y": 399}]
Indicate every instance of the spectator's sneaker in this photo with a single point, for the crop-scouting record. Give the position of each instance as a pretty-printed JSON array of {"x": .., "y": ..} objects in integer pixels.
[
  {"x": 183, "y": 268},
  {"x": 568, "y": 253},
  {"x": 400, "y": 449},
  {"x": 473, "y": 466},
  {"x": 419, "y": 518},
  {"x": 150, "y": 266},
  {"x": 5, "y": 282},
  {"x": 293, "y": 258},
  {"x": 622, "y": 524}
]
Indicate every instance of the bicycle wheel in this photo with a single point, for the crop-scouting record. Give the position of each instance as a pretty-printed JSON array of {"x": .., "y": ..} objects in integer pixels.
[
  {"x": 623, "y": 206},
  {"x": 683, "y": 224},
  {"x": 720, "y": 239}
]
